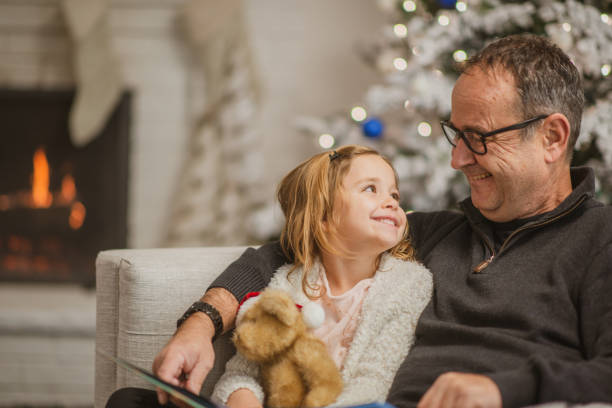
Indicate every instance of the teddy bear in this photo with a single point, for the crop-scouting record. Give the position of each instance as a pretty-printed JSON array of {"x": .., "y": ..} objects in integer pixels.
[{"x": 295, "y": 368}]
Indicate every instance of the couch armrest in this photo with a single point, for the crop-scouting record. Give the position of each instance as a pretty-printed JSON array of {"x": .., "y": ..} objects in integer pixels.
[{"x": 140, "y": 293}]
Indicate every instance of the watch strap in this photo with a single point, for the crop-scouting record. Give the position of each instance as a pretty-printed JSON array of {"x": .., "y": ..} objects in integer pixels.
[{"x": 208, "y": 310}]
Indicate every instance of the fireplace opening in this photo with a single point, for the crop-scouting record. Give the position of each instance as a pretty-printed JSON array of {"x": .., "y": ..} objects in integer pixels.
[{"x": 59, "y": 204}]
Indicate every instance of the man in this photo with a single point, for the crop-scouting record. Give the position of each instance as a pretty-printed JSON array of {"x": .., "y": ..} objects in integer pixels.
[{"x": 522, "y": 311}]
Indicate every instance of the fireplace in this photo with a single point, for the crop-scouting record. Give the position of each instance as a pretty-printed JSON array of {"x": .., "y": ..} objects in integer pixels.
[{"x": 59, "y": 204}]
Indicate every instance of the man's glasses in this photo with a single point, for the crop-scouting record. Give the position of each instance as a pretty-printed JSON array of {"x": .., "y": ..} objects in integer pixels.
[{"x": 475, "y": 141}]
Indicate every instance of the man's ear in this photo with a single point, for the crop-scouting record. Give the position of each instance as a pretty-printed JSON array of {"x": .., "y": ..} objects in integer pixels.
[{"x": 556, "y": 134}]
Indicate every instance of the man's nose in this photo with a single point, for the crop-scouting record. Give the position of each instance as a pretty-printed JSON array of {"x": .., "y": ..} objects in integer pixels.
[{"x": 461, "y": 155}]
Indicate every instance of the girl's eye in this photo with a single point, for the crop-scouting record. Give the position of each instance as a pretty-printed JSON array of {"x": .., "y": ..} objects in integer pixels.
[
  {"x": 395, "y": 196},
  {"x": 370, "y": 188}
]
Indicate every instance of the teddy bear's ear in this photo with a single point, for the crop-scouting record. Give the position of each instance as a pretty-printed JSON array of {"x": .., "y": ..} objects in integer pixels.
[{"x": 279, "y": 305}]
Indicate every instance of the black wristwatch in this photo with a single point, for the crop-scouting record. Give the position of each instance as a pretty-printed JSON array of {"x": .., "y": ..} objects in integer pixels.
[{"x": 209, "y": 310}]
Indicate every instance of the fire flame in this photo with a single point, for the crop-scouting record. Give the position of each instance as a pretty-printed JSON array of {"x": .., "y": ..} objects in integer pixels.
[
  {"x": 77, "y": 215},
  {"x": 68, "y": 189},
  {"x": 41, "y": 197}
]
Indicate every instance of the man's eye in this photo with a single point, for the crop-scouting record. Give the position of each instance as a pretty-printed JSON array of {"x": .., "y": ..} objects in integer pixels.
[
  {"x": 472, "y": 136},
  {"x": 370, "y": 188}
]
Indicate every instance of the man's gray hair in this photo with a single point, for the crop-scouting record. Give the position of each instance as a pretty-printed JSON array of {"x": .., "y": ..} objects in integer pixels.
[{"x": 547, "y": 81}]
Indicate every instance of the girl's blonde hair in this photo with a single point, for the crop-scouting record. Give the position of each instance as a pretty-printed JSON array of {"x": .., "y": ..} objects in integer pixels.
[{"x": 307, "y": 195}]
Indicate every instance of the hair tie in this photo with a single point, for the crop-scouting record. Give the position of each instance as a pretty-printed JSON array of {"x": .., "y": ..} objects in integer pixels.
[{"x": 333, "y": 155}]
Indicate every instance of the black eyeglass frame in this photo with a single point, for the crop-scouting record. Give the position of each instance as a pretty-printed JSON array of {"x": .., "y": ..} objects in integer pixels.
[{"x": 483, "y": 136}]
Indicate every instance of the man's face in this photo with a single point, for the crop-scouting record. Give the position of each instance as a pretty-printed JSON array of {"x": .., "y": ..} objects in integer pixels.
[{"x": 510, "y": 181}]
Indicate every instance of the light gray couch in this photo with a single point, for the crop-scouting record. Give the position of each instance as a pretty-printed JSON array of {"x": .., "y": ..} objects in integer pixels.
[{"x": 140, "y": 293}]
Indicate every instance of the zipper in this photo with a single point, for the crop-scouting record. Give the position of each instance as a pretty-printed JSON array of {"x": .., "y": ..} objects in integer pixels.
[{"x": 481, "y": 266}]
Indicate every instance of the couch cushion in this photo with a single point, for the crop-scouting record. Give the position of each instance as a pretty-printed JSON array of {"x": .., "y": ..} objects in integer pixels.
[{"x": 152, "y": 288}]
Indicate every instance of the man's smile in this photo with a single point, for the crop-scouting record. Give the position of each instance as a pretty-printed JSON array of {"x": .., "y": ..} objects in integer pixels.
[{"x": 478, "y": 177}]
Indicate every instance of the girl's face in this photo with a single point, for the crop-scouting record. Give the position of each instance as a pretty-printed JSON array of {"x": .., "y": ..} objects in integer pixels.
[{"x": 370, "y": 220}]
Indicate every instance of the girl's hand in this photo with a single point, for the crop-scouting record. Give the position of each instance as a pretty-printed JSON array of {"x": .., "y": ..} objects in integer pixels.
[{"x": 243, "y": 398}]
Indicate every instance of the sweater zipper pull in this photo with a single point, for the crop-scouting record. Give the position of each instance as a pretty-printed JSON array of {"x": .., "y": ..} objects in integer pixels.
[{"x": 481, "y": 266}]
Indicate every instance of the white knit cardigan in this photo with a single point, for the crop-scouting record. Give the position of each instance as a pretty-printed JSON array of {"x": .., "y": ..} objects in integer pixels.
[{"x": 399, "y": 293}]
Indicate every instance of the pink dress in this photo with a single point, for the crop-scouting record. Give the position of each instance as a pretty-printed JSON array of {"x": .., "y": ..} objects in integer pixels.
[{"x": 341, "y": 317}]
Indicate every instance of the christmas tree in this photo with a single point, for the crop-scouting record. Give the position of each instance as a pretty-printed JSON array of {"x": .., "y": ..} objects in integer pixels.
[{"x": 417, "y": 55}]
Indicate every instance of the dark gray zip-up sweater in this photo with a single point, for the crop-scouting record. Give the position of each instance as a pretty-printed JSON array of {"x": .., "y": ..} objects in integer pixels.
[{"x": 535, "y": 316}]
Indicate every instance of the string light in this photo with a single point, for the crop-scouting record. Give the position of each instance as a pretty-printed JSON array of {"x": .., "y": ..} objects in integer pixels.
[
  {"x": 424, "y": 129},
  {"x": 400, "y": 64},
  {"x": 459, "y": 56},
  {"x": 461, "y": 6},
  {"x": 567, "y": 27},
  {"x": 416, "y": 51},
  {"x": 326, "y": 140},
  {"x": 409, "y": 6},
  {"x": 605, "y": 18},
  {"x": 443, "y": 20},
  {"x": 400, "y": 30},
  {"x": 407, "y": 104},
  {"x": 605, "y": 70},
  {"x": 358, "y": 113}
]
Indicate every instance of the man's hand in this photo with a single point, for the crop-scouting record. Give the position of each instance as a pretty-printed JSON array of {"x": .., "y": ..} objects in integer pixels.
[
  {"x": 188, "y": 357},
  {"x": 462, "y": 390}
]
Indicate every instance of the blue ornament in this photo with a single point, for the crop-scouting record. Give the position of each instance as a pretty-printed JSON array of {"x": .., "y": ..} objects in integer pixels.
[
  {"x": 447, "y": 4},
  {"x": 373, "y": 128}
]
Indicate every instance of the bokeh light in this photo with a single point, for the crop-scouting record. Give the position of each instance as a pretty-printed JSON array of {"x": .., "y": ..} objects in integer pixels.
[
  {"x": 326, "y": 140},
  {"x": 424, "y": 129},
  {"x": 358, "y": 113}
]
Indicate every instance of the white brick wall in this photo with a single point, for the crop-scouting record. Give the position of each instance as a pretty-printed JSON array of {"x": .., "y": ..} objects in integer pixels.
[
  {"x": 46, "y": 370},
  {"x": 305, "y": 52},
  {"x": 46, "y": 345},
  {"x": 35, "y": 52},
  {"x": 33, "y": 47}
]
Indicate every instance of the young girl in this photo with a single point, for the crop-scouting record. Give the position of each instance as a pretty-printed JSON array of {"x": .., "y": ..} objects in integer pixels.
[{"x": 348, "y": 236}]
